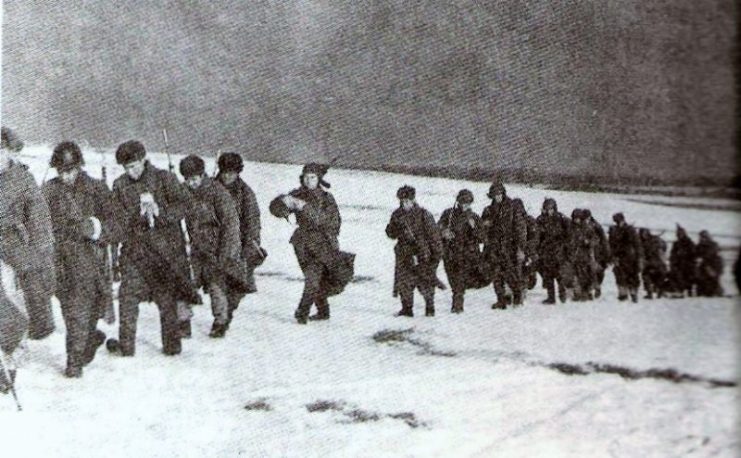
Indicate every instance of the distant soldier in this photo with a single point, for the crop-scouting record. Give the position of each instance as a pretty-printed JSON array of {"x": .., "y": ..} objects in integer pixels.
[
  {"x": 81, "y": 215},
  {"x": 506, "y": 238},
  {"x": 580, "y": 253},
  {"x": 149, "y": 205},
  {"x": 213, "y": 225},
  {"x": 315, "y": 240},
  {"x": 709, "y": 267},
  {"x": 26, "y": 236},
  {"x": 462, "y": 234},
  {"x": 601, "y": 252},
  {"x": 682, "y": 264},
  {"x": 654, "y": 270},
  {"x": 230, "y": 166},
  {"x": 418, "y": 252},
  {"x": 627, "y": 253},
  {"x": 528, "y": 270},
  {"x": 553, "y": 228}
]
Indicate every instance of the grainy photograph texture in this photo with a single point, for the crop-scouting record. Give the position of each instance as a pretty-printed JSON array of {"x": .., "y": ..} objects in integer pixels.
[{"x": 375, "y": 228}]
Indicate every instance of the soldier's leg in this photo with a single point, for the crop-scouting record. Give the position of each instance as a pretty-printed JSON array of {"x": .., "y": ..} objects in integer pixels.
[
  {"x": 550, "y": 287},
  {"x": 312, "y": 277},
  {"x": 38, "y": 304},
  {"x": 169, "y": 324},
  {"x": 498, "y": 282},
  {"x": 648, "y": 284},
  {"x": 513, "y": 275},
  {"x": 320, "y": 299},
  {"x": 428, "y": 293},
  {"x": 620, "y": 280},
  {"x": 133, "y": 290},
  {"x": 219, "y": 309},
  {"x": 406, "y": 294},
  {"x": 233, "y": 298},
  {"x": 75, "y": 313},
  {"x": 634, "y": 281}
]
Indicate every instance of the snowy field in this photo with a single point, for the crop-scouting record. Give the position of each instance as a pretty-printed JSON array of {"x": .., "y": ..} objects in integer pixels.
[{"x": 535, "y": 381}]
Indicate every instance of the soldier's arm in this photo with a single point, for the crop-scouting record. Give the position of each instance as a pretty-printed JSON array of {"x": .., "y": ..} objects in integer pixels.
[
  {"x": 226, "y": 212},
  {"x": 520, "y": 228},
  {"x": 393, "y": 228},
  {"x": 326, "y": 219},
  {"x": 252, "y": 213},
  {"x": 177, "y": 200},
  {"x": 38, "y": 222},
  {"x": 433, "y": 232}
]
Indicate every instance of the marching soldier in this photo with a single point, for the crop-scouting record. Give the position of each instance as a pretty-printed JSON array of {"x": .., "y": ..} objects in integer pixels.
[
  {"x": 213, "y": 226},
  {"x": 230, "y": 166},
  {"x": 709, "y": 267},
  {"x": 462, "y": 233},
  {"x": 315, "y": 240},
  {"x": 418, "y": 252},
  {"x": 682, "y": 264},
  {"x": 26, "y": 236},
  {"x": 504, "y": 248},
  {"x": 529, "y": 269},
  {"x": 601, "y": 252},
  {"x": 627, "y": 253},
  {"x": 149, "y": 205},
  {"x": 580, "y": 249},
  {"x": 654, "y": 270},
  {"x": 80, "y": 208},
  {"x": 553, "y": 227}
]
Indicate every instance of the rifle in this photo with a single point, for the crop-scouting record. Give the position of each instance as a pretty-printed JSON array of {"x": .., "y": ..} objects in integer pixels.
[{"x": 167, "y": 151}]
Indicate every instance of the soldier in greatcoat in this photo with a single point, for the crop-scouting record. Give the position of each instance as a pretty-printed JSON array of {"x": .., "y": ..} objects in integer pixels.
[
  {"x": 627, "y": 255},
  {"x": 553, "y": 228},
  {"x": 80, "y": 208},
  {"x": 418, "y": 252},
  {"x": 462, "y": 234}
]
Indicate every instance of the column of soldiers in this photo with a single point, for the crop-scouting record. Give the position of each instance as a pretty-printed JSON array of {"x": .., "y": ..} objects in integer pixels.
[
  {"x": 506, "y": 247},
  {"x": 174, "y": 238}
]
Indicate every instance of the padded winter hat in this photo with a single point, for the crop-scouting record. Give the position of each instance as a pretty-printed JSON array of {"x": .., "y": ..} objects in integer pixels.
[
  {"x": 230, "y": 162},
  {"x": 317, "y": 169},
  {"x": 550, "y": 203},
  {"x": 577, "y": 214},
  {"x": 406, "y": 192},
  {"x": 644, "y": 233},
  {"x": 278, "y": 208},
  {"x": 191, "y": 166},
  {"x": 66, "y": 156},
  {"x": 464, "y": 197},
  {"x": 496, "y": 188},
  {"x": 586, "y": 213},
  {"x": 10, "y": 140},
  {"x": 130, "y": 151},
  {"x": 618, "y": 218}
]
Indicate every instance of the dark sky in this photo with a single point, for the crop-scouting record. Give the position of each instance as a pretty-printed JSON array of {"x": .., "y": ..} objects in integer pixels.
[{"x": 617, "y": 87}]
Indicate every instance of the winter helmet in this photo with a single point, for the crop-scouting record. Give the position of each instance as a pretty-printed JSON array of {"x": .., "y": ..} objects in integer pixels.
[
  {"x": 496, "y": 188},
  {"x": 278, "y": 208},
  {"x": 191, "y": 166},
  {"x": 550, "y": 203},
  {"x": 66, "y": 156},
  {"x": 464, "y": 197},
  {"x": 317, "y": 169},
  {"x": 578, "y": 213},
  {"x": 230, "y": 162},
  {"x": 586, "y": 214},
  {"x": 618, "y": 218},
  {"x": 10, "y": 139},
  {"x": 130, "y": 151},
  {"x": 406, "y": 192},
  {"x": 644, "y": 233}
]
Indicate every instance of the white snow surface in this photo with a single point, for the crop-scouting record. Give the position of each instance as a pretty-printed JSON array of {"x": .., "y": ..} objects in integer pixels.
[{"x": 481, "y": 389}]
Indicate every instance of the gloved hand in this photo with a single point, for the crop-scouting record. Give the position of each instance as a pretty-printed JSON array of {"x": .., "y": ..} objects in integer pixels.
[
  {"x": 97, "y": 229},
  {"x": 448, "y": 234},
  {"x": 148, "y": 208},
  {"x": 520, "y": 255}
]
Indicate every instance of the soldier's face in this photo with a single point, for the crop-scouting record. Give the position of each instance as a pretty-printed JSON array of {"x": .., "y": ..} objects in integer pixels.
[
  {"x": 134, "y": 169},
  {"x": 228, "y": 177},
  {"x": 69, "y": 176},
  {"x": 194, "y": 182},
  {"x": 498, "y": 198},
  {"x": 407, "y": 204},
  {"x": 310, "y": 180},
  {"x": 550, "y": 211},
  {"x": 465, "y": 207}
]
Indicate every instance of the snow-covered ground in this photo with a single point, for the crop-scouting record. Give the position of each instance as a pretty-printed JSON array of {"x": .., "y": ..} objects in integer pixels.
[{"x": 476, "y": 384}]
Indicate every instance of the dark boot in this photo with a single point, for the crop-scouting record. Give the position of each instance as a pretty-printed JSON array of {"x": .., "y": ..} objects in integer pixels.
[
  {"x": 499, "y": 305},
  {"x": 300, "y": 317},
  {"x": 185, "y": 329},
  {"x": 217, "y": 330},
  {"x": 430, "y": 310},
  {"x": 517, "y": 299},
  {"x": 319, "y": 317},
  {"x": 94, "y": 342},
  {"x": 597, "y": 292},
  {"x": 457, "y": 306},
  {"x": 174, "y": 348},
  {"x": 114, "y": 347},
  {"x": 407, "y": 308},
  {"x": 622, "y": 298},
  {"x": 73, "y": 371}
]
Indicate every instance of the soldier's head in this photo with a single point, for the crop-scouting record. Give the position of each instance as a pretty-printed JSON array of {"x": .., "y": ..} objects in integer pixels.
[
  {"x": 586, "y": 214},
  {"x": 464, "y": 199},
  {"x": 549, "y": 206},
  {"x": 132, "y": 156},
  {"x": 67, "y": 160},
  {"x": 577, "y": 216},
  {"x": 705, "y": 236},
  {"x": 497, "y": 191},
  {"x": 193, "y": 170},
  {"x": 230, "y": 166},
  {"x": 10, "y": 144},
  {"x": 312, "y": 175},
  {"x": 619, "y": 219},
  {"x": 644, "y": 233},
  {"x": 681, "y": 232},
  {"x": 406, "y": 195}
]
